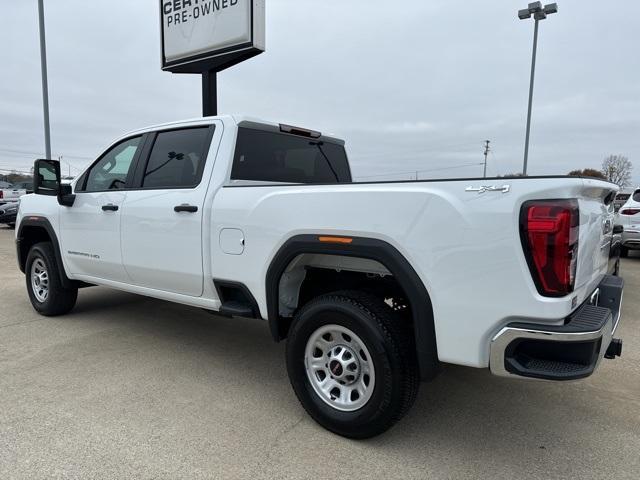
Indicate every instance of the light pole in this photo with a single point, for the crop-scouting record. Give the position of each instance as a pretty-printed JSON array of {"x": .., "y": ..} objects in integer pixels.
[
  {"x": 539, "y": 13},
  {"x": 45, "y": 88}
]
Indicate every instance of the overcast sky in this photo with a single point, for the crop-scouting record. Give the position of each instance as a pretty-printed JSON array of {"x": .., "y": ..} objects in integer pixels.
[{"x": 412, "y": 85}]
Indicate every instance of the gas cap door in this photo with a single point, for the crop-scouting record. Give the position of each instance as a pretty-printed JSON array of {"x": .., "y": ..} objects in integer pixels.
[{"x": 232, "y": 241}]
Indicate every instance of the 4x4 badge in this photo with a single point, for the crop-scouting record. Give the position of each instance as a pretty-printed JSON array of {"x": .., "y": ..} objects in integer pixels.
[{"x": 489, "y": 188}]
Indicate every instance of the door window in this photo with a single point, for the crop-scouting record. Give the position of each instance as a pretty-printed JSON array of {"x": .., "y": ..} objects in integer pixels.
[
  {"x": 177, "y": 158},
  {"x": 110, "y": 172}
]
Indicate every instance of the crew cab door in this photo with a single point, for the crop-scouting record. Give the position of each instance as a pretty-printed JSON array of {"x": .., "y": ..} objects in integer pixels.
[
  {"x": 90, "y": 229},
  {"x": 162, "y": 216}
]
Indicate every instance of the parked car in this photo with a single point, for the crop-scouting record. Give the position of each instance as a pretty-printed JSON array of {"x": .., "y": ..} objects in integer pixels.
[
  {"x": 25, "y": 185},
  {"x": 256, "y": 219},
  {"x": 9, "y": 195},
  {"x": 8, "y": 213},
  {"x": 621, "y": 197},
  {"x": 629, "y": 218}
]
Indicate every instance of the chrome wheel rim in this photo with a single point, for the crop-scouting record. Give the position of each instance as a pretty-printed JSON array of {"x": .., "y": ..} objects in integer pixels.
[
  {"x": 339, "y": 368},
  {"x": 39, "y": 280}
]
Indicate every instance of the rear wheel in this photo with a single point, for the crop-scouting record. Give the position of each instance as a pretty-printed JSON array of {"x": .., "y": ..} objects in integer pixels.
[
  {"x": 352, "y": 364},
  {"x": 45, "y": 289}
]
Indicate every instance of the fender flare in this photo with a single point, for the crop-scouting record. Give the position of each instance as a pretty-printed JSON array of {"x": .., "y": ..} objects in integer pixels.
[
  {"x": 374, "y": 249},
  {"x": 43, "y": 223}
]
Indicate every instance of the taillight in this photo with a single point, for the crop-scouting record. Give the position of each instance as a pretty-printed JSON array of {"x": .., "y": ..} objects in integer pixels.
[
  {"x": 1, "y": 194},
  {"x": 629, "y": 211},
  {"x": 549, "y": 232}
]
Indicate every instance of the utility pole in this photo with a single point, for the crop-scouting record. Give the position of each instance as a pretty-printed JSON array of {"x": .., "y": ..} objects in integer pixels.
[
  {"x": 60, "y": 159},
  {"x": 486, "y": 152},
  {"x": 45, "y": 87}
]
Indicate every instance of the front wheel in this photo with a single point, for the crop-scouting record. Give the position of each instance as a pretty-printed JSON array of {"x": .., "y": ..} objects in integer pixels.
[
  {"x": 46, "y": 292},
  {"x": 351, "y": 361}
]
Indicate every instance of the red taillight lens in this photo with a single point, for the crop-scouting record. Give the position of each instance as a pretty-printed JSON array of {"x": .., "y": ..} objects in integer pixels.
[
  {"x": 629, "y": 211},
  {"x": 549, "y": 231}
]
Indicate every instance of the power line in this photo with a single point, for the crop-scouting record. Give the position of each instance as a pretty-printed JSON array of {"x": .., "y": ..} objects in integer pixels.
[
  {"x": 419, "y": 171},
  {"x": 414, "y": 152},
  {"x": 39, "y": 154}
]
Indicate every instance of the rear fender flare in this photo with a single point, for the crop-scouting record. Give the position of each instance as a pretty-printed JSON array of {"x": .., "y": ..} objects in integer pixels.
[{"x": 374, "y": 249}]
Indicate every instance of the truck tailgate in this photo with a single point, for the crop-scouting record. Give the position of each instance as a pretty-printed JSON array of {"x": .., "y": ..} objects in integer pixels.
[{"x": 596, "y": 231}]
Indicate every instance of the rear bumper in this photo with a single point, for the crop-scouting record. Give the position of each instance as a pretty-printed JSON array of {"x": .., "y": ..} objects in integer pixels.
[
  {"x": 565, "y": 352},
  {"x": 631, "y": 238}
]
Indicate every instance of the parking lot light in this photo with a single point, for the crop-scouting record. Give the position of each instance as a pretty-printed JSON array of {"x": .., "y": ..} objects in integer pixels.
[{"x": 539, "y": 13}]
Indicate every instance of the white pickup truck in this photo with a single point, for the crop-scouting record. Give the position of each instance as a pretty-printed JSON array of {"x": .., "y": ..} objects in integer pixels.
[
  {"x": 373, "y": 284},
  {"x": 11, "y": 195}
]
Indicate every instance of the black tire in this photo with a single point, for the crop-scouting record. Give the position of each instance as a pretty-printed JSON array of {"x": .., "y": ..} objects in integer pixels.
[
  {"x": 389, "y": 341},
  {"x": 624, "y": 252},
  {"x": 59, "y": 300}
]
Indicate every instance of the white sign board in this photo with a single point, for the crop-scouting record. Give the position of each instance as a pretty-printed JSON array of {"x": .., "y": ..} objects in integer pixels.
[{"x": 205, "y": 34}]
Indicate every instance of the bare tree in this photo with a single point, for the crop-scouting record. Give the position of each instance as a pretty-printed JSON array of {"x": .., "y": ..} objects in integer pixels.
[{"x": 617, "y": 169}]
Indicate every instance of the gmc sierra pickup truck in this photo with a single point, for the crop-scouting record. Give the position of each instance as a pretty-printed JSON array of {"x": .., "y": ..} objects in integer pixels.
[{"x": 374, "y": 284}]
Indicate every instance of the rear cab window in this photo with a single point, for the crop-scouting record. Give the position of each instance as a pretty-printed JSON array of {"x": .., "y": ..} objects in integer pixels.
[
  {"x": 271, "y": 156},
  {"x": 177, "y": 158},
  {"x": 636, "y": 196}
]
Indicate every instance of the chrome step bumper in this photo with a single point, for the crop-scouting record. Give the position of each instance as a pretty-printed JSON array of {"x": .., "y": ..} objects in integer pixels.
[{"x": 565, "y": 352}]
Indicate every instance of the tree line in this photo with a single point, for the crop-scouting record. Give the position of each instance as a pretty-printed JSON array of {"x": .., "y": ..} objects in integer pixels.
[{"x": 615, "y": 168}]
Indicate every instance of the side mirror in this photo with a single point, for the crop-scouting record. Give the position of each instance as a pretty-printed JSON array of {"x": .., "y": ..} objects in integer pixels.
[
  {"x": 66, "y": 196},
  {"x": 618, "y": 229},
  {"x": 46, "y": 181},
  {"x": 46, "y": 177}
]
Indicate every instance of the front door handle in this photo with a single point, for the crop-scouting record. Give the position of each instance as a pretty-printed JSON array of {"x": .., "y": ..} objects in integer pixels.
[
  {"x": 110, "y": 207},
  {"x": 185, "y": 208}
]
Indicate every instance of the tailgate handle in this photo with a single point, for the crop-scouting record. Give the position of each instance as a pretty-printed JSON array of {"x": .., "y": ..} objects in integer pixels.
[{"x": 185, "y": 208}]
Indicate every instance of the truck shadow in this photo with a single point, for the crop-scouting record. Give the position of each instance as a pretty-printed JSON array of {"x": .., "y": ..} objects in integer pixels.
[{"x": 464, "y": 409}]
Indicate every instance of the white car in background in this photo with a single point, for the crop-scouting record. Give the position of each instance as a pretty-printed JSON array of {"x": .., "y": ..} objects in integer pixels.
[{"x": 629, "y": 218}]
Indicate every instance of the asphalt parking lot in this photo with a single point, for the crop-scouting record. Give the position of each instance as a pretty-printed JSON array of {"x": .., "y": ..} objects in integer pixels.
[{"x": 132, "y": 387}]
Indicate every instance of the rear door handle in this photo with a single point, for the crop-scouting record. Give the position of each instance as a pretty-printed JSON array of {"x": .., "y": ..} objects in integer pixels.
[
  {"x": 110, "y": 207},
  {"x": 185, "y": 208}
]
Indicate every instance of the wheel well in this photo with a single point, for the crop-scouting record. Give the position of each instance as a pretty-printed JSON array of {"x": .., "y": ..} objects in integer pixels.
[
  {"x": 369, "y": 264},
  {"x": 34, "y": 230},
  {"x": 311, "y": 275},
  {"x": 28, "y": 236}
]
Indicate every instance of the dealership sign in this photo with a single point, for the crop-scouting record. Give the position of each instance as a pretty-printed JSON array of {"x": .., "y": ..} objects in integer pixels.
[{"x": 210, "y": 35}]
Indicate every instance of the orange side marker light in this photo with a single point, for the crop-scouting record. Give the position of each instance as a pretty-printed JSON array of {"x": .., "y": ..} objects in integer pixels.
[{"x": 345, "y": 240}]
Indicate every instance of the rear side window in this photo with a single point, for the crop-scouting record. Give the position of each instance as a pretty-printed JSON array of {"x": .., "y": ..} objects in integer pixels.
[
  {"x": 279, "y": 157},
  {"x": 636, "y": 196},
  {"x": 177, "y": 158}
]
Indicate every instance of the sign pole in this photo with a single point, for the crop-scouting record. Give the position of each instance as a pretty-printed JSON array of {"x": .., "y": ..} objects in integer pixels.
[
  {"x": 206, "y": 38},
  {"x": 209, "y": 93}
]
